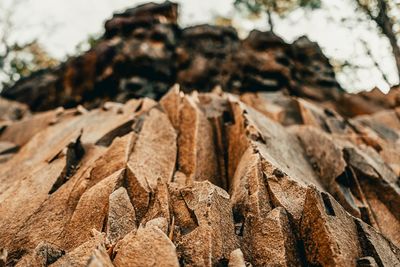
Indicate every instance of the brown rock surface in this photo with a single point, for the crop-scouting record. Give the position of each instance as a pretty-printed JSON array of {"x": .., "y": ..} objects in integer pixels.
[
  {"x": 259, "y": 191},
  {"x": 121, "y": 215},
  {"x": 149, "y": 246},
  {"x": 288, "y": 177}
]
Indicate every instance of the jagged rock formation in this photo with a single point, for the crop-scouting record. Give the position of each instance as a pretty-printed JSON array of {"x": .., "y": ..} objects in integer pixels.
[
  {"x": 290, "y": 172},
  {"x": 201, "y": 179}
]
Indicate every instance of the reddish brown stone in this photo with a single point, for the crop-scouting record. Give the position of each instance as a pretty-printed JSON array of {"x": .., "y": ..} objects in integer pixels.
[
  {"x": 91, "y": 211},
  {"x": 121, "y": 215},
  {"x": 82, "y": 254},
  {"x": 155, "y": 151},
  {"x": 149, "y": 246},
  {"x": 207, "y": 234},
  {"x": 329, "y": 234}
]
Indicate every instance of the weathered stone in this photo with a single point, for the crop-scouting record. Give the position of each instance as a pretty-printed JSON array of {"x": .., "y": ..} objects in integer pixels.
[
  {"x": 58, "y": 206},
  {"x": 275, "y": 230},
  {"x": 160, "y": 222},
  {"x": 43, "y": 255},
  {"x": 236, "y": 259},
  {"x": 81, "y": 255},
  {"x": 325, "y": 157},
  {"x": 248, "y": 191},
  {"x": 329, "y": 234},
  {"x": 212, "y": 236},
  {"x": 100, "y": 258},
  {"x": 285, "y": 192},
  {"x": 139, "y": 191},
  {"x": 275, "y": 105},
  {"x": 114, "y": 159},
  {"x": 275, "y": 144},
  {"x": 171, "y": 102},
  {"x": 374, "y": 177},
  {"x": 121, "y": 215},
  {"x": 20, "y": 132},
  {"x": 91, "y": 211},
  {"x": 158, "y": 206},
  {"x": 197, "y": 158},
  {"x": 149, "y": 246},
  {"x": 374, "y": 245},
  {"x": 155, "y": 150},
  {"x": 328, "y": 161},
  {"x": 18, "y": 197},
  {"x": 255, "y": 223},
  {"x": 54, "y": 139}
]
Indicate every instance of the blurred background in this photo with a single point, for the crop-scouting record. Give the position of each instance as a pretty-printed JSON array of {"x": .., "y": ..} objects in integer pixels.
[{"x": 359, "y": 36}]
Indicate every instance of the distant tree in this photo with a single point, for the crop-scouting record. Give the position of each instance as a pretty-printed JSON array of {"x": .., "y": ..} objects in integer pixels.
[
  {"x": 385, "y": 13},
  {"x": 279, "y": 7},
  {"x": 18, "y": 60}
]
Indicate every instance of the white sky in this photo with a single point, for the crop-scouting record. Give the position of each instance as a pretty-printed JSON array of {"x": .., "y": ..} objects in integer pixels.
[{"x": 60, "y": 25}]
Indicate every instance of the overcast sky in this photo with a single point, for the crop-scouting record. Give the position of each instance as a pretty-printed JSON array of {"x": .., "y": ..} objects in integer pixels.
[{"x": 60, "y": 25}]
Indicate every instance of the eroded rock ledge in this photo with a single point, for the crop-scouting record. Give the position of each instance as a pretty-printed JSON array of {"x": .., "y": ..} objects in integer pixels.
[{"x": 201, "y": 179}]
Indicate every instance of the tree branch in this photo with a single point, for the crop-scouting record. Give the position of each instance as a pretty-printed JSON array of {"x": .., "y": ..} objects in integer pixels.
[
  {"x": 376, "y": 64},
  {"x": 270, "y": 21},
  {"x": 385, "y": 24}
]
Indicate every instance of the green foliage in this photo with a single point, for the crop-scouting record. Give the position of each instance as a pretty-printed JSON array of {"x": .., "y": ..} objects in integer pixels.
[
  {"x": 313, "y": 4},
  {"x": 21, "y": 61},
  {"x": 89, "y": 43},
  {"x": 18, "y": 60}
]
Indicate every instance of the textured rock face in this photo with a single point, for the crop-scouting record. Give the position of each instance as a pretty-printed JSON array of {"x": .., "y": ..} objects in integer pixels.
[
  {"x": 285, "y": 174},
  {"x": 201, "y": 179}
]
